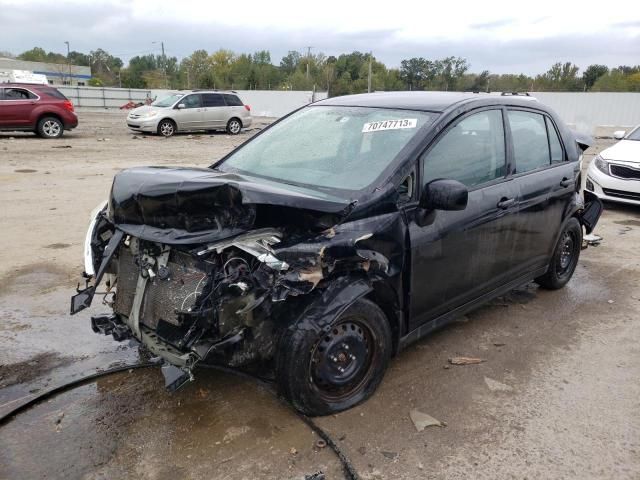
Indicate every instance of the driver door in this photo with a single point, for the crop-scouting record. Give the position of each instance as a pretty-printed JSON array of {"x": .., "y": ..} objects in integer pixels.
[{"x": 459, "y": 255}]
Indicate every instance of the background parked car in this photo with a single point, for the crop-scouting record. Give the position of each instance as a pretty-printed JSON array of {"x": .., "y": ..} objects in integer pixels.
[
  {"x": 614, "y": 174},
  {"x": 195, "y": 110},
  {"x": 38, "y": 108}
]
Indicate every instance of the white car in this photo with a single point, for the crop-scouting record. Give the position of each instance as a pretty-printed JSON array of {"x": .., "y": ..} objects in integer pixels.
[{"x": 614, "y": 174}]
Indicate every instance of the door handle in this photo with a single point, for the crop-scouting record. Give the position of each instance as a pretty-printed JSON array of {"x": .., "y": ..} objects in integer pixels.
[
  {"x": 565, "y": 182},
  {"x": 505, "y": 203}
]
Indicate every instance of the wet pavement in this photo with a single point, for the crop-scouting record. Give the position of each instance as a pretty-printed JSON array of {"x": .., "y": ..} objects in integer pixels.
[{"x": 557, "y": 394}]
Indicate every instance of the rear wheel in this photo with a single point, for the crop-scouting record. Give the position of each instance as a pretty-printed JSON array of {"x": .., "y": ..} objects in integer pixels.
[
  {"x": 166, "y": 128},
  {"x": 323, "y": 372},
  {"x": 50, "y": 127},
  {"x": 234, "y": 126},
  {"x": 565, "y": 257}
]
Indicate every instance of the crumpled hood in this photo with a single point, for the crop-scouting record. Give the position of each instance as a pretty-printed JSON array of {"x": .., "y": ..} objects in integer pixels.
[
  {"x": 624, "y": 150},
  {"x": 199, "y": 205}
]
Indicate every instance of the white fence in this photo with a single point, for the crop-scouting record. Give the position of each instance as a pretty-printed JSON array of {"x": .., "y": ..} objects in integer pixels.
[
  {"x": 596, "y": 113},
  {"x": 264, "y": 103}
]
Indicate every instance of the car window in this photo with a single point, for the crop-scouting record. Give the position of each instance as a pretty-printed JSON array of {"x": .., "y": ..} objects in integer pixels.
[
  {"x": 343, "y": 148},
  {"x": 233, "y": 101},
  {"x": 17, "y": 94},
  {"x": 555, "y": 147},
  {"x": 212, "y": 100},
  {"x": 192, "y": 101},
  {"x": 472, "y": 152},
  {"x": 55, "y": 93},
  {"x": 530, "y": 145}
]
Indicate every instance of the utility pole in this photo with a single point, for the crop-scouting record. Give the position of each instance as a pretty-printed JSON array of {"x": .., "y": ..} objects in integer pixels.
[
  {"x": 369, "y": 79},
  {"x": 68, "y": 61},
  {"x": 164, "y": 63},
  {"x": 308, "y": 59}
]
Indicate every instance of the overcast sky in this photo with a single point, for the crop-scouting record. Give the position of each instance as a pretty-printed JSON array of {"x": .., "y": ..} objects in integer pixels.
[{"x": 493, "y": 35}]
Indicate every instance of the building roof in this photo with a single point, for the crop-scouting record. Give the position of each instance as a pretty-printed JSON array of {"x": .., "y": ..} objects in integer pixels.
[{"x": 429, "y": 101}]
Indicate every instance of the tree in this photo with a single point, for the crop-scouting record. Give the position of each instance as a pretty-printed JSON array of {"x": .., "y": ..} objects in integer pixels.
[
  {"x": 36, "y": 54},
  {"x": 560, "y": 77},
  {"x": 592, "y": 74},
  {"x": 413, "y": 72}
]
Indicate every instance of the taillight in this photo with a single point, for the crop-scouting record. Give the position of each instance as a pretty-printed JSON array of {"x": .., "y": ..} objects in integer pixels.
[
  {"x": 248, "y": 108},
  {"x": 67, "y": 105}
]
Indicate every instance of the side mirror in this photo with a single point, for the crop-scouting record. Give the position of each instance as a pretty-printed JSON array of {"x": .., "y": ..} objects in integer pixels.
[
  {"x": 619, "y": 134},
  {"x": 444, "y": 194},
  {"x": 181, "y": 106}
]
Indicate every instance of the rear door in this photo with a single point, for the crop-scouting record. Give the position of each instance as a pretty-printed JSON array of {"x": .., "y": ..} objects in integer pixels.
[
  {"x": 546, "y": 182},
  {"x": 459, "y": 255},
  {"x": 191, "y": 116},
  {"x": 16, "y": 106},
  {"x": 215, "y": 110}
]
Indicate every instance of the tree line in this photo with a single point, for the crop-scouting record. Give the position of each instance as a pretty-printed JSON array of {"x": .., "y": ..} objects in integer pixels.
[{"x": 340, "y": 75}]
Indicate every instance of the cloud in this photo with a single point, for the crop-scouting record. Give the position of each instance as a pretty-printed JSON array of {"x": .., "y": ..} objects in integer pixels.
[
  {"x": 494, "y": 24},
  {"x": 124, "y": 29}
]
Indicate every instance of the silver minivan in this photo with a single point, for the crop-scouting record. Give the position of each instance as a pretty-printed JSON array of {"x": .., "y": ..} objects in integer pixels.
[{"x": 194, "y": 110}]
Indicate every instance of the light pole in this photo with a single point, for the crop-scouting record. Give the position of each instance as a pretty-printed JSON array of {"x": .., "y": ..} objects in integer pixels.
[
  {"x": 68, "y": 61},
  {"x": 164, "y": 63}
]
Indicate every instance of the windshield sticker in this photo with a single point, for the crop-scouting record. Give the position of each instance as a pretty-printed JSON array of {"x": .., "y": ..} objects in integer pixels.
[{"x": 390, "y": 125}]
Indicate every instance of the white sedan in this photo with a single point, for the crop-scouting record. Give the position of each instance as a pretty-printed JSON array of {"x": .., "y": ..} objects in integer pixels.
[{"x": 614, "y": 174}]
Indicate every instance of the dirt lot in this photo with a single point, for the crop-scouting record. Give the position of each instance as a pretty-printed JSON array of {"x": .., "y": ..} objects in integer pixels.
[{"x": 567, "y": 363}]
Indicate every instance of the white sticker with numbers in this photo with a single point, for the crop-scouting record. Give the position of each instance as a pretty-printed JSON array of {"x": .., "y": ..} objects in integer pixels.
[{"x": 390, "y": 125}]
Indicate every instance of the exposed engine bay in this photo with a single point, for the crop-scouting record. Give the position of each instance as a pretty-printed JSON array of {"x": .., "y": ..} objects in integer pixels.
[{"x": 221, "y": 301}]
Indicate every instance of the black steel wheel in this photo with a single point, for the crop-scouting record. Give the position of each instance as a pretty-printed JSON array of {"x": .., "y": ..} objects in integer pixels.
[
  {"x": 565, "y": 257},
  {"x": 337, "y": 368}
]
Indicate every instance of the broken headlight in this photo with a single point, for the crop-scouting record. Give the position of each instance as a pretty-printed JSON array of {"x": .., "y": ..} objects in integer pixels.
[
  {"x": 88, "y": 252},
  {"x": 601, "y": 164}
]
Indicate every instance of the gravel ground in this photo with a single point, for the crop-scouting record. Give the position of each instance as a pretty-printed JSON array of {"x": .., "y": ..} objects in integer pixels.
[{"x": 557, "y": 395}]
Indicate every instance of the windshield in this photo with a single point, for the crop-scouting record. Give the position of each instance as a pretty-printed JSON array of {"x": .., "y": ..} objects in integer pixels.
[
  {"x": 634, "y": 135},
  {"x": 335, "y": 147},
  {"x": 168, "y": 101}
]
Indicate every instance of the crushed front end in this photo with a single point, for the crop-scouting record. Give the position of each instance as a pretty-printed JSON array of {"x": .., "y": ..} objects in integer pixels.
[{"x": 206, "y": 288}]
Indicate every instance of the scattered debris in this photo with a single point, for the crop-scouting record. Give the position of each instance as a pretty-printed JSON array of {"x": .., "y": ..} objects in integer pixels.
[
  {"x": 60, "y": 417},
  {"x": 362, "y": 450},
  {"x": 103, "y": 139},
  {"x": 422, "y": 420},
  {"x": 321, "y": 443},
  {"x": 293, "y": 451},
  {"x": 57, "y": 246},
  {"x": 610, "y": 301},
  {"x": 135, "y": 137},
  {"x": 591, "y": 239},
  {"x": 61, "y": 146},
  {"x": 25, "y": 170},
  {"x": 498, "y": 344},
  {"x": 496, "y": 386},
  {"x": 390, "y": 455},
  {"x": 465, "y": 360},
  {"x": 319, "y": 475}
]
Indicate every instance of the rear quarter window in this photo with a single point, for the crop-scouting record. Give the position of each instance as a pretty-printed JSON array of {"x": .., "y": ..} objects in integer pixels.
[
  {"x": 233, "y": 100},
  {"x": 55, "y": 93}
]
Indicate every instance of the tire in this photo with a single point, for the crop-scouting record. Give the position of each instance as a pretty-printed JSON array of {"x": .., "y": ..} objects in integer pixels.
[
  {"x": 166, "y": 128},
  {"x": 234, "y": 126},
  {"x": 565, "y": 257},
  {"x": 324, "y": 372},
  {"x": 50, "y": 127}
]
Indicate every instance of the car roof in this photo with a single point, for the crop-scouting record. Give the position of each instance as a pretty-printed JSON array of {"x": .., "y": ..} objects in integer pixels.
[{"x": 428, "y": 101}]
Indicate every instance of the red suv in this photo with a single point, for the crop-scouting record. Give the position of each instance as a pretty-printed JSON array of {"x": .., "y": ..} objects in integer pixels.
[{"x": 38, "y": 108}]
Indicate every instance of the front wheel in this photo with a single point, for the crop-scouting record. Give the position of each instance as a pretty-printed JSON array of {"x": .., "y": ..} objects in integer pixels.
[
  {"x": 234, "y": 126},
  {"x": 166, "y": 128},
  {"x": 50, "y": 127},
  {"x": 323, "y": 372},
  {"x": 565, "y": 257}
]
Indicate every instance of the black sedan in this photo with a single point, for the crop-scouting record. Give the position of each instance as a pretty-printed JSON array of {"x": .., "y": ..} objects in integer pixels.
[{"x": 337, "y": 236}]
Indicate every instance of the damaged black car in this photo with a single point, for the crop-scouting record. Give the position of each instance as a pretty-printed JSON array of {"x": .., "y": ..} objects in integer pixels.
[{"x": 337, "y": 236}]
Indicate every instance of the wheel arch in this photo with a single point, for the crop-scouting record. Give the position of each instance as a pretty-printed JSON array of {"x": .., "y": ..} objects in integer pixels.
[
  {"x": 45, "y": 114},
  {"x": 175, "y": 124},
  {"x": 236, "y": 118}
]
